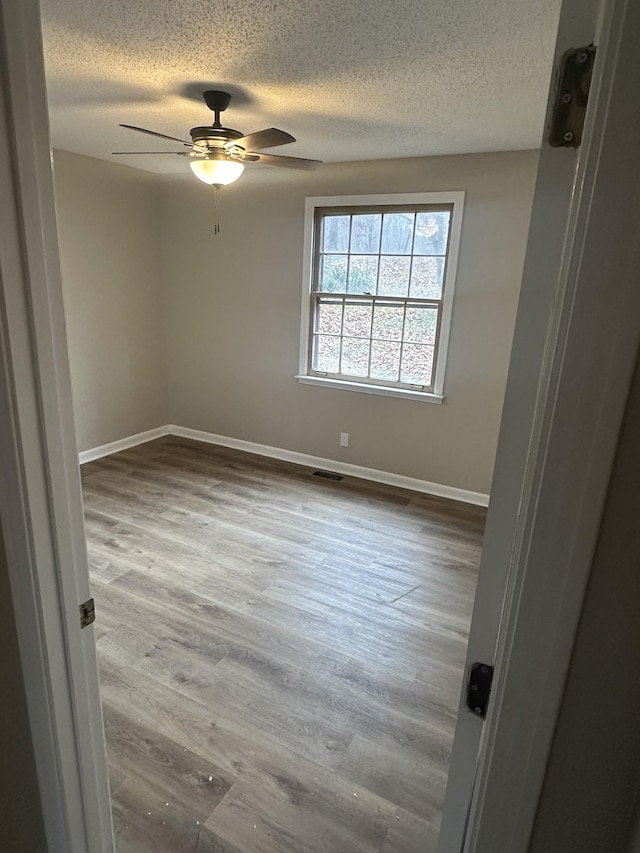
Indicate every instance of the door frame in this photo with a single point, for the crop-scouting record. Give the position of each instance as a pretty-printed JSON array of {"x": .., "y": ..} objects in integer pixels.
[
  {"x": 575, "y": 348},
  {"x": 40, "y": 494},
  {"x": 591, "y": 339}
]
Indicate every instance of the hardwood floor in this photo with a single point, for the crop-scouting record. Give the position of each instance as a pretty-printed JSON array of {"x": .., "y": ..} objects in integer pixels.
[{"x": 280, "y": 655}]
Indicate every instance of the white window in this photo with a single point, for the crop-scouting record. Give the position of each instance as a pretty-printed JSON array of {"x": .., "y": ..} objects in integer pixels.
[{"x": 378, "y": 292}]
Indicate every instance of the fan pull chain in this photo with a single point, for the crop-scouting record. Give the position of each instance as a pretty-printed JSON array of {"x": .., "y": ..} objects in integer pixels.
[{"x": 216, "y": 214}]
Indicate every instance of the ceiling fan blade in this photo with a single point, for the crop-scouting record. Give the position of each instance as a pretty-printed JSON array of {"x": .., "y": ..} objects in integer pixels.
[
  {"x": 290, "y": 162},
  {"x": 268, "y": 138},
  {"x": 159, "y": 135},
  {"x": 179, "y": 153}
]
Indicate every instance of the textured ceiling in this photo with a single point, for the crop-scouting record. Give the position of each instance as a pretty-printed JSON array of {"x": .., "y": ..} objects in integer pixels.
[{"x": 352, "y": 80}]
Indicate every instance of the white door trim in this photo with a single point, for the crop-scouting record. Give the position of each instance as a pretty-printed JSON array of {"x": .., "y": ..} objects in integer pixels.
[
  {"x": 40, "y": 498},
  {"x": 547, "y": 533}
]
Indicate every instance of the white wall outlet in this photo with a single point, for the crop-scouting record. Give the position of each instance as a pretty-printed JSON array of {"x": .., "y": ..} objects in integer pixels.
[{"x": 344, "y": 439}]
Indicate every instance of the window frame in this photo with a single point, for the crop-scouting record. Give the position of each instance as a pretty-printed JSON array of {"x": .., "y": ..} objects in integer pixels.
[{"x": 354, "y": 204}]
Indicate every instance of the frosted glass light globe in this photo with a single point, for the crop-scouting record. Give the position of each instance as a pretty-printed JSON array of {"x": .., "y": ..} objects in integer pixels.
[{"x": 216, "y": 170}]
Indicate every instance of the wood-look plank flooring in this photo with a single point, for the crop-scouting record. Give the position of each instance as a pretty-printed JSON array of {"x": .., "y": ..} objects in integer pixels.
[{"x": 280, "y": 655}]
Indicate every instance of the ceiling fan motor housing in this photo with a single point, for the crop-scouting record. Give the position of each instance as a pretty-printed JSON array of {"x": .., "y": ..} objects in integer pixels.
[{"x": 214, "y": 137}]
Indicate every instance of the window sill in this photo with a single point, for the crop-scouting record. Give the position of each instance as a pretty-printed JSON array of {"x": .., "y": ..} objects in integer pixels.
[{"x": 362, "y": 388}]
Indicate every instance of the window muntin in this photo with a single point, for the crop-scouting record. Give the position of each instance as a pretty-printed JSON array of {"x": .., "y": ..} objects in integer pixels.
[{"x": 377, "y": 293}]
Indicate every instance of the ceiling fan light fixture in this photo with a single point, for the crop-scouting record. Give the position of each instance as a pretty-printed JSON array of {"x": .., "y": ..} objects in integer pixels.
[
  {"x": 217, "y": 154},
  {"x": 216, "y": 170}
]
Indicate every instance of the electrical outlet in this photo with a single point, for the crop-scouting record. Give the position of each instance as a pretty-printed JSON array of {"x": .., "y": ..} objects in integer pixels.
[{"x": 344, "y": 439}]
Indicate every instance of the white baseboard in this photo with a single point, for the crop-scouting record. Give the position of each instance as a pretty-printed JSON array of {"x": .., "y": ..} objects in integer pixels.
[
  {"x": 385, "y": 477},
  {"x": 122, "y": 444},
  {"x": 349, "y": 470}
]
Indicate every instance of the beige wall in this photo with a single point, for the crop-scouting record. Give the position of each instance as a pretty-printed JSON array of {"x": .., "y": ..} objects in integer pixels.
[
  {"x": 233, "y": 311},
  {"x": 108, "y": 224},
  {"x": 216, "y": 348},
  {"x": 21, "y": 825}
]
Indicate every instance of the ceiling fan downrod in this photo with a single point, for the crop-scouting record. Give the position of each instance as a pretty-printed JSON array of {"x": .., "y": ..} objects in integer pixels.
[{"x": 217, "y": 102}]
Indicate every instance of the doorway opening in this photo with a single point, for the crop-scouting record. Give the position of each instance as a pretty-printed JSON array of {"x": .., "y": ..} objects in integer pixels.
[{"x": 281, "y": 657}]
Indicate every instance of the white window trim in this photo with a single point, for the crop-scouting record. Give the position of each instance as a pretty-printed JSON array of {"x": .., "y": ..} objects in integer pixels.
[{"x": 455, "y": 198}]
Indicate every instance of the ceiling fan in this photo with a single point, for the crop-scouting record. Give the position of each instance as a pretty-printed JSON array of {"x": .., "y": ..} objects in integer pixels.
[{"x": 217, "y": 155}]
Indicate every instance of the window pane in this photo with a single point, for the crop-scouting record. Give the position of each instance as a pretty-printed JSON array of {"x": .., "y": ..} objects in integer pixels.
[
  {"x": 394, "y": 276},
  {"x": 427, "y": 275},
  {"x": 420, "y": 325},
  {"x": 417, "y": 361},
  {"x": 397, "y": 233},
  {"x": 365, "y": 233},
  {"x": 333, "y": 274},
  {"x": 363, "y": 274},
  {"x": 385, "y": 360},
  {"x": 357, "y": 321},
  {"x": 329, "y": 317},
  {"x": 335, "y": 233},
  {"x": 326, "y": 354},
  {"x": 355, "y": 357},
  {"x": 432, "y": 231},
  {"x": 387, "y": 322},
  {"x": 376, "y": 274}
]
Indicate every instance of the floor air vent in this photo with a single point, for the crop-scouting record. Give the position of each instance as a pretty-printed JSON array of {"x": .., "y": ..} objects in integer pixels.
[{"x": 328, "y": 475}]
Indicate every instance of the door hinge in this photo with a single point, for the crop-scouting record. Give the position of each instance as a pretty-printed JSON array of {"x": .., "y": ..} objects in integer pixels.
[
  {"x": 479, "y": 688},
  {"x": 87, "y": 613},
  {"x": 571, "y": 97}
]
